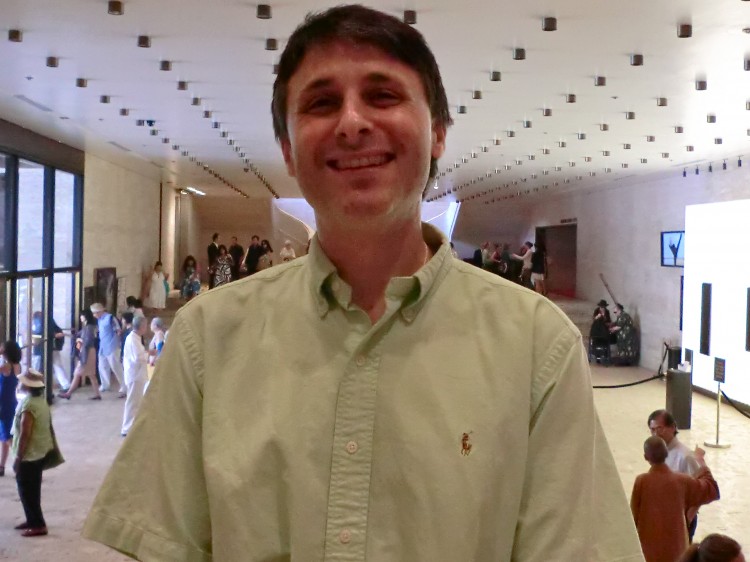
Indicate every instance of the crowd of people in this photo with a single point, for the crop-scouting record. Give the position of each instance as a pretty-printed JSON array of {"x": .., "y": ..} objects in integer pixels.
[
  {"x": 527, "y": 267},
  {"x": 229, "y": 264}
]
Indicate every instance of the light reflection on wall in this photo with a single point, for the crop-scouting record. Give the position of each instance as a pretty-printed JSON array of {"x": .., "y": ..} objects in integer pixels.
[{"x": 716, "y": 251}]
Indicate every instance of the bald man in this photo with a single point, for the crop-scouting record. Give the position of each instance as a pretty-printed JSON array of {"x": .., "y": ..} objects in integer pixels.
[{"x": 661, "y": 497}]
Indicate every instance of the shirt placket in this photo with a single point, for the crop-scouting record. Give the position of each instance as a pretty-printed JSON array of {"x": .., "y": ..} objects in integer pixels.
[{"x": 351, "y": 459}]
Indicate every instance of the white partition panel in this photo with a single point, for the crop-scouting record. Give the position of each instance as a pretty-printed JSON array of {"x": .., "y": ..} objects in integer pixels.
[{"x": 717, "y": 240}]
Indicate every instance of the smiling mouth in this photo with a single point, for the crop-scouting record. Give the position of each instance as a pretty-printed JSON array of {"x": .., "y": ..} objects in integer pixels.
[{"x": 361, "y": 162}]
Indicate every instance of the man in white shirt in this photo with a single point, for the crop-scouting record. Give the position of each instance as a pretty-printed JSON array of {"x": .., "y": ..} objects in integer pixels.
[
  {"x": 680, "y": 457},
  {"x": 135, "y": 360}
]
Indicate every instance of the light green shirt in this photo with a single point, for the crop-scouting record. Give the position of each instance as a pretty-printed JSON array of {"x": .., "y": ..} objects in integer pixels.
[
  {"x": 40, "y": 442},
  {"x": 282, "y": 425}
]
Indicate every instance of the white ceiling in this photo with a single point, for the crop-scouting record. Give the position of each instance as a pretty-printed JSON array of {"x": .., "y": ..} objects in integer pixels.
[{"x": 219, "y": 48}]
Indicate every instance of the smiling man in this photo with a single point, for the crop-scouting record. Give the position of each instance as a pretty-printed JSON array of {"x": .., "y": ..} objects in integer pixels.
[{"x": 377, "y": 399}]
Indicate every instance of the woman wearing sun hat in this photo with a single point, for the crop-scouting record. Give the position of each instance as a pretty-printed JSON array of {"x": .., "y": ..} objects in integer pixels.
[{"x": 32, "y": 440}]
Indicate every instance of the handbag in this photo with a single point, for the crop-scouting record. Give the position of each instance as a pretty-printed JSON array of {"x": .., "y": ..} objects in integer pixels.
[{"x": 54, "y": 457}]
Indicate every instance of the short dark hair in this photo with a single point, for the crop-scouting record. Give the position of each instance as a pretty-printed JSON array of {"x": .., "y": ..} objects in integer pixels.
[
  {"x": 255, "y": 237},
  {"x": 222, "y": 247},
  {"x": 215, "y": 236},
  {"x": 666, "y": 415},
  {"x": 157, "y": 263},
  {"x": 713, "y": 548},
  {"x": 12, "y": 351},
  {"x": 127, "y": 317},
  {"x": 88, "y": 315},
  {"x": 360, "y": 25}
]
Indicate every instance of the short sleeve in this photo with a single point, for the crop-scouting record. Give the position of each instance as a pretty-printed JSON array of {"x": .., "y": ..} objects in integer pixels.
[
  {"x": 153, "y": 504},
  {"x": 573, "y": 506}
]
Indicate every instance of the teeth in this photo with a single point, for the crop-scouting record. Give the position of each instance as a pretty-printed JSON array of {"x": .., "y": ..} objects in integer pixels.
[{"x": 361, "y": 162}]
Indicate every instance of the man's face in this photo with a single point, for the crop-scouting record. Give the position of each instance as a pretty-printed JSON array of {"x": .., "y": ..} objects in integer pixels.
[
  {"x": 234, "y": 241},
  {"x": 360, "y": 133},
  {"x": 659, "y": 428},
  {"x": 98, "y": 315},
  {"x": 254, "y": 241}
]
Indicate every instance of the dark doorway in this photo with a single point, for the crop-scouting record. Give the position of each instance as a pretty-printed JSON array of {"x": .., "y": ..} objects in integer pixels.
[{"x": 560, "y": 241}]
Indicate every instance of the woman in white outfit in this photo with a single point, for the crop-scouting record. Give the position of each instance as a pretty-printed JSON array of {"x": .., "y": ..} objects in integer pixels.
[
  {"x": 157, "y": 293},
  {"x": 287, "y": 252},
  {"x": 135, "y": 361}
]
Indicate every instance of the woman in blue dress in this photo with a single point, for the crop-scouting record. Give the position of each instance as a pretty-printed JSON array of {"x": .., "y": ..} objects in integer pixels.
[{"x": 9, "y": 371}]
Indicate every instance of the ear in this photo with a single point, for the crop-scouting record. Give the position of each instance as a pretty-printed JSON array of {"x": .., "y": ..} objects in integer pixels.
[
  {"x": 438, "y": 140},
  {"x": 286, "y": 150}
]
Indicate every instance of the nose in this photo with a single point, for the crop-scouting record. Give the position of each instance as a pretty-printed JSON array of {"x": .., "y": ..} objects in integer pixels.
[{"x": 354, "y": 122}]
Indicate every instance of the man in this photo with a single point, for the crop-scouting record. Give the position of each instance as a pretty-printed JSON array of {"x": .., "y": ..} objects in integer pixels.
[
  {"x": 254, "y": 251},
  {"x": 135, "y": 360},
  {"x": 404, "y": 406},
  {"x": 524, "y": 256},
  {"x": 109, "y": 349},
  {"x": 213, "y": 255},
  {"x": 660, "y": 498},
  {"x": 236, "y": 251},
  {"x": 680, "y": 459},
  {"x": 55, "y": 333}
]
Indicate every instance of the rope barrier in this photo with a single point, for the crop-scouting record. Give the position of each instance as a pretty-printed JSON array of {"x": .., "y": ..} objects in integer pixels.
[
  {"x": 658, "y": 376},
  {"x": 733, "y": 405}
]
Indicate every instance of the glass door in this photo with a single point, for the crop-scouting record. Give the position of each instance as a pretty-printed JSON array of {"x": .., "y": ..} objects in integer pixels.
[{"x": 31, "y": 314}]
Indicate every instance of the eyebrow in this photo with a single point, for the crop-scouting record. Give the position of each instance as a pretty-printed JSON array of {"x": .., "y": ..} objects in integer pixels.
[{"x": 322, "y": 83}]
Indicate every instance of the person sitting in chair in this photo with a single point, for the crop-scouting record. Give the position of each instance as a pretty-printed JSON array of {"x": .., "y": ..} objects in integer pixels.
[{"x": 599, "y": 336}]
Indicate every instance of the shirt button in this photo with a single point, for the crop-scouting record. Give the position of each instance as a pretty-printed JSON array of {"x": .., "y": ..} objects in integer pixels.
[
  {"x": 345, "y": 536},
  {"x": 352, "y": 447},
  {"x": 361, "y": 360}
]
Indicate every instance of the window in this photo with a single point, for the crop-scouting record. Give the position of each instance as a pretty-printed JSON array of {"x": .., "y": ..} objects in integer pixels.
[
  {"x": 64, "y": 218},
  {"x": 30, "y": 215}
]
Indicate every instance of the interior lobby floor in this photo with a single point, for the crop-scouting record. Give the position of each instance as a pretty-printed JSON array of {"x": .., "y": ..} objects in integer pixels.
[{"x": 89, "y": 435}]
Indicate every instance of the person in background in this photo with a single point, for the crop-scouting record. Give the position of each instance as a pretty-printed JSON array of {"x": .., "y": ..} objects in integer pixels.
[
  {"x": 32, "y": 440},
  {"x": 714, "y": 548},
  {"x": 109, "y": 362},
  {"x": 86, "y": 349},
  {"x": 539, "y": 269},
  {"x": 213, "y": 254},
  {"x": 127, "y": 327},
  {"x": 287, "y": 252},
  {"x": 524, "y": 256},
  {"x": 157, "y": 292},
  {"x": 9, "y": 371},
  {"x": 135, "y": 359},
  {"x": 158, "y": 339},
  {"x": 191, "y": 283},
  {"x": 236, "y": 251},
  {"x": 252, "y": 255},
  {"x": 134, "y": 305},
  {"x": 660, "y": 498},
  {"x": 680, "y": 457},
  {"x": 57, "y": 335},
  {"x": 266, "y": 258},
  {"x": 223, "y": 267},
  {"x": 627, "y": 337}
]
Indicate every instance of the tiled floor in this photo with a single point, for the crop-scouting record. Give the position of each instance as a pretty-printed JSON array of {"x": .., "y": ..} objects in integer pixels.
[{"x": 89, "y": 437}]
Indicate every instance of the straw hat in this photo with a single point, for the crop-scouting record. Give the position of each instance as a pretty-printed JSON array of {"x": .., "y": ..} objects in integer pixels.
[{"x": 32, "y": 379}]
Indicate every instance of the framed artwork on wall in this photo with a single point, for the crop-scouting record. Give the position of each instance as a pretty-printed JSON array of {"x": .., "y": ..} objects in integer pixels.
[
  {"x": 105, "y": 288},
  {"x": 673, "y": 248}
]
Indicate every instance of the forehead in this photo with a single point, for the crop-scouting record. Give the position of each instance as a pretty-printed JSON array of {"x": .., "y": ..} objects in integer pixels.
[{"x": 332, "y": 62}]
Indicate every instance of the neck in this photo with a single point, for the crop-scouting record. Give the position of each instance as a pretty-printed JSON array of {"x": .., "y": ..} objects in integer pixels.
[{"x": 368, "y": 259}]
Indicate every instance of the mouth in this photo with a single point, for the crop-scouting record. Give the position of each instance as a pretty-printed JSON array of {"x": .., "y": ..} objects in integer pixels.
[{"x": 361, "y": 162}]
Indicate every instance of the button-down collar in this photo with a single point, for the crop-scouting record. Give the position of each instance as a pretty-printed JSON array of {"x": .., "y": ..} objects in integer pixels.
[{"x": 330, "y": 290}]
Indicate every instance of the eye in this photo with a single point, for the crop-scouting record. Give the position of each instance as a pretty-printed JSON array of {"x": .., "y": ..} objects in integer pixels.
[
  {"x": 384, "y": 97},
  {"x": 320, "y": 104}
]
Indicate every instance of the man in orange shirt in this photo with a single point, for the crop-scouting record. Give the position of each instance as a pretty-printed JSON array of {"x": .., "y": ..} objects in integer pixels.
[{"x": 661, "y": 497}]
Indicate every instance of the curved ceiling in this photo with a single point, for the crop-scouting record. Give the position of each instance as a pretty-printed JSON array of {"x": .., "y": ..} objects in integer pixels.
[{"x": 219, "y": 49}]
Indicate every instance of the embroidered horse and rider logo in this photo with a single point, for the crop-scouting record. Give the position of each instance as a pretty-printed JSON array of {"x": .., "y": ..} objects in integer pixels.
[{"x": 466, "y": 444}]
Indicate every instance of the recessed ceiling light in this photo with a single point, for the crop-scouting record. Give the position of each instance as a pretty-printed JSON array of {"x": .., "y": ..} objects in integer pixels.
[
  {"x": 115, "y": 8},
  {"x": 605, "y": 152},
  {"x": 511, "y": 133},
  {"x": 624, "y": 165},
  {"x": 461, "y": 109},
  {"x": 207, "y": 114},
  {"x": 549, "y": 24},
  {"x": 684, "y": 30},
  {"x": 53, "y": 62},
  {"x": 154, "y": 132},
  {"x": 526, "y": 124},
  {"x": 710, "y": 118},
  {"x": 665, "y": 154},
  {"x": 626, "y": 146},
  {"x": 630, "y": 115},
  {"x": 562, "y": 144},
  {"x": 196, "y": 101},
  {"x": 570, "y": 98},
  {"x": 661, "y": 102},
  {"x": 636, "y": 59},
  {"x": 495, "y": 76},
  {"x": 165, "y": 140},
  {"x": 679, "y": 129},
  {"x": 81, "y": 82},
  {"x": 587, "y": 158},
  {"x": 701, "y": 85},
  {"x": 124, "y": 112},
  {"x": 272, "y": 44},
  {"x": 519, "y": 53},
  {"x": 165, "y": 65},
  {"x": 263, "y": 12},
  {"x": 476, "y": 95},
  {"x": 650, "y": 138},
  {"x": 182, "y": 85},
  {"x": 547, "y": 112},
  {"x": 603, "y": 127},
  {"x": 545, "y": 151},
  {"x": 140, "y": 122},
  {"x": 644, "y": 160},
  {"x": 600, "y": 81},
  {"x": 410, "y": 17},
  {"x": 690, "y": 148},
  {"x": 15, "y": 35},
  {"x": 144, "y": 41},
  {"x": 104, "y": 99},
  {"x": 581, "y": 136},
  {"x": 718, "y": 140}
]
